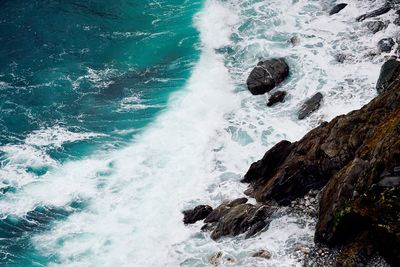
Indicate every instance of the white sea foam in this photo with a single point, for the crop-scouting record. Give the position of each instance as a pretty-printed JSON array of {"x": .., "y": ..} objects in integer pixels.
[{"x": 199, "y": 148}]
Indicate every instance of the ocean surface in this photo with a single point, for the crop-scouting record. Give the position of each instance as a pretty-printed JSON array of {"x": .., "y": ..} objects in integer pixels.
[{"x": 117, "y": 115}]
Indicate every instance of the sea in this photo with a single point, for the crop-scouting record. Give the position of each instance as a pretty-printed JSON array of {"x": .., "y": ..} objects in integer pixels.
[{"x": 115, "y": 116}]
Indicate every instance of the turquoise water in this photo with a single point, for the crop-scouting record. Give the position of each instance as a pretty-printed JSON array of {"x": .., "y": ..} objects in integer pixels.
[{"x": 101, "y": 68}]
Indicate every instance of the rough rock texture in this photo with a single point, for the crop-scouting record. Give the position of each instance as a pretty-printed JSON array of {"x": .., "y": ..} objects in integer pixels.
[
  {"x": 375, "y": 26},
  {"x": 231, "y": 219},
  {"x": 356, "y": 157},
  {"x": 337, "y": 8},
  {"x": 380, "y": 11},
  {"x": 198, "y": 213},
  {"x": 266, "y": 75},
  {"x": 386, "y": 45},
  {"x": 278, "y": 96},
  {"x": 389, "y": 73},
  {"x": 310, "y": 106}
]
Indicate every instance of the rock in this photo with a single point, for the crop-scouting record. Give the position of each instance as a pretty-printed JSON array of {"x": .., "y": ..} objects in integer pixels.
[
  {"x": 266, "y": 75},
  {"x": 389, "y": 181},
  {"x": 310, "y": 106},
  {"x": 375, "y": 26},
  {"x": 257, "y": 227},
  {"x": 278, "y": 96},
  {"x": 337, "y": 8},
  {"x": 385, "y": 45},
  {"x": 198, "y": 213},
  {"x": 238, "y": 219},
  {"x": 238, "y": 201},
  {"x": 340, "y": 57},
  {"x": 390, "y": 71},
  {"x": 263, "y": 253},
  {"x": 380, "y": 11},
  {"x": 295, "y": 40},
  {"x": 215, "y": 259}
]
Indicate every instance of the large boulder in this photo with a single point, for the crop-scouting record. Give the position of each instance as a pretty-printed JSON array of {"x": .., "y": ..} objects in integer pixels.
[
  {"x": 390, "y": 71},
  {"x": 385, "y": 45},
  {"x": 310, "y": 106},
  {"x": 375, "y": 25},
  {"x": 266, "y": 75},
  {"x": 337, "y": 8}
]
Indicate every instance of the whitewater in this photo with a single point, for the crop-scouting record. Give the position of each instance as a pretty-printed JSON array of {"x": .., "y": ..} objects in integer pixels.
[{"x": 123, "y": 207}]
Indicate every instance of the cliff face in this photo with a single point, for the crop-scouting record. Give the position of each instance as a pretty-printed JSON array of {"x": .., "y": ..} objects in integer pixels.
[{"x": 355, "y": 158}]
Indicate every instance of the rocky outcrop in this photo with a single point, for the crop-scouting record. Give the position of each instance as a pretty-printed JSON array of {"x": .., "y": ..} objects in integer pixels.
[
  {"x": 337, "y": 8},
  {"x": 355, "y": 158},
  {"x": 380, "y": 11},
  {"x": 278, "y": 96},
  {"x": 375, "y": 26},
  {"x": 267, "y": 75},
  {"x": 310, "y": 106}
]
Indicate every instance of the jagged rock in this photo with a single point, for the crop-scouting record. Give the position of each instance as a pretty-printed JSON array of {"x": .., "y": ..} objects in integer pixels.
[
  {"x": 380, "y": 11},
  {"x": 375, "y": 25},
  {"x": 337, "y": 8},
  {"x": 266, "y": 75},
  {"x": 263, "y": 253},
  {"x": 385, "y": 45},
  {"x": 198, "y": 213},
  {"x": 214, "y": 260},
  {"x": 278, "y": 96},
  {"x": 235, "y": 220},
  {"x": 310, "y": 106},
  {"x": 389, "y": 73}
]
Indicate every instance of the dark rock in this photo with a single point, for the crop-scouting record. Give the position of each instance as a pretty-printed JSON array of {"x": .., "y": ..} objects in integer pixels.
[
  {"x": 278, "y": 96},
  {"x": 238, "y": 201},
  {"x": 238, "y": 219},
  {"x": 340, "y": 57},
  {"x": 295, "y": 40},
  {"x": 266, "y": 75},
  {"x": 263, "y": 253},
  {"x": 310, "y": 106},
  {"x": 337, "y": 8},
  {"x": 390, "y": 71},
  {"x": 385, "y": 45},
  {"x": 198, "y": 213},
  {"x": 380, "y": 11},
  {"x": 389, "y": 181},
  {"x": 375, "y": 26},
  {"x": 257, "y": 227}
]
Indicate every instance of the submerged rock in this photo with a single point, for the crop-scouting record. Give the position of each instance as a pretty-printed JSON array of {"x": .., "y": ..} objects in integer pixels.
[
  {"x": 295, "y": 40},
  {"x": 377, "y": 12},
  {"x": 198, "y": 213},
  {"x": 263, "y": 253},
  {"x": 385, "y": 45},
  {"x": 390, "y": 71},
  {"x": 375, "y": 26},
  {"x": 266, "y": 75},
  {"x": 337, "y": 8},
  {"x": 310, "y": 106},
  {"x": 278, "y": 96}
]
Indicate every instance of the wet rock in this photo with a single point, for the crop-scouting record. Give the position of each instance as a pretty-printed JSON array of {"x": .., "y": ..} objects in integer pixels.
[
  {"x": 238, "y": 219},
  {"x": 278, "y": 96},
  {"x": 257, "y": 227},
  {"x": 310, "y": 106},
  {"x": 377, "y": 12},
  {"x": 198, "y": 213},
  {"x": 390, "y": 71},
  {"x": 340, "y": 57},
  {"x": 263, "y": 253},
  {"x": 266, "y": 75},
  {"x": 215, "y": 259},
  {"x": 238, "y": 201},
  {"x": 385, "y": 45},
  {"x": 375, "y": 26},
  {"x": 337, "y": 8},
  {"x": 295, "y": 40}
]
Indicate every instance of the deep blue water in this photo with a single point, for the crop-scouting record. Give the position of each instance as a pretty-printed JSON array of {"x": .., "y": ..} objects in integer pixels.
[{"x": 95, "y": 66}]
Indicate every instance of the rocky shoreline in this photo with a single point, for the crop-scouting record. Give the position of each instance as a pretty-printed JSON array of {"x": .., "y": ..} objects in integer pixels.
[{"x": 343, "y": 175}]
